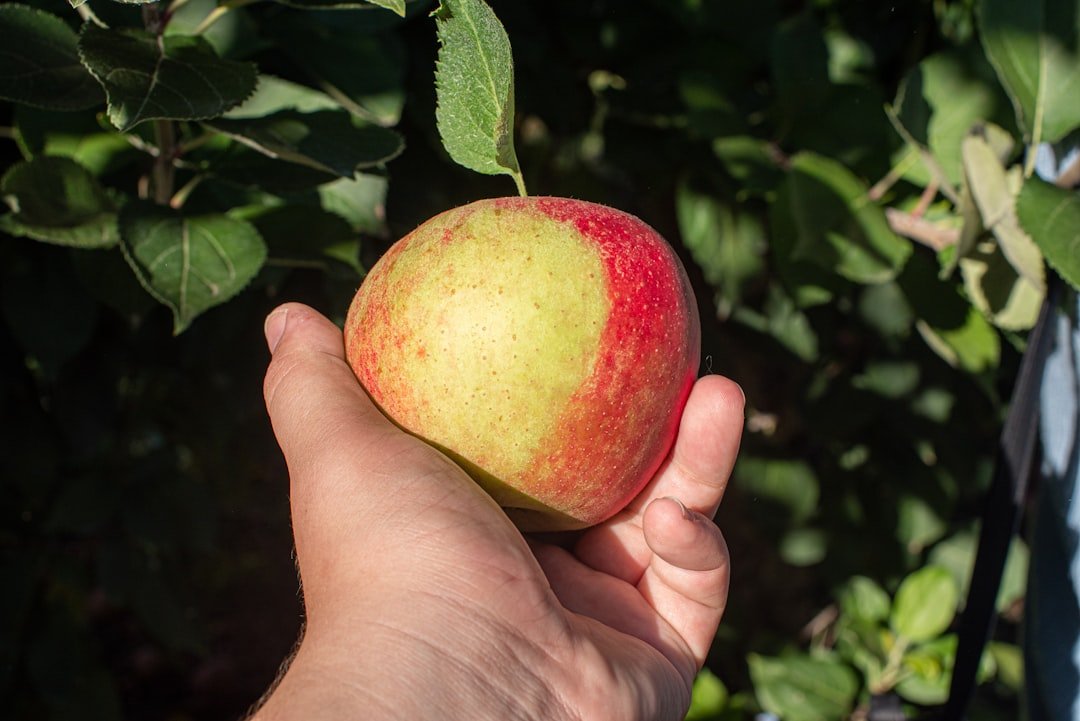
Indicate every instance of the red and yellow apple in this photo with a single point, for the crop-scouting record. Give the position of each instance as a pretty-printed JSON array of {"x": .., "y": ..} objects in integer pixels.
[{"x": 546, "y": 345}]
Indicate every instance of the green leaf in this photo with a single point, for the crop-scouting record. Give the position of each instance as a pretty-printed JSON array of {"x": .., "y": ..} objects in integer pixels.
[
  {"x": 925, "y": 604},
  {"x": 273, "y": 94},
  {"x": 838, "y": 226},
  {"x": 361, "y": 200},
  {"x": 864, "y": 600},
  {"x": 884, "y": 308},
  {"x": 1033, "y": 46},
  {"x": 918, "y": 524},
  {"x": 56, "y": 200},
  {"x": 728, "y": 246},
  {"x": 330, "y": 53},
  {"x": 173, "y": 77},
  {"x": 78, "y": 136},
  {"x": 799, "y": 688},
  {"x": 307, "y": 235},
  {"x": 957, "y": 554},
  {"x": 804, "y": 546},
  {"x": 40, "y": 65},
  {"x": 789, "y": 483},
  {"x": 943, "y": 98},
  {"x": 750, "y": 161},
  {"x": 709, "y": 697},
  {"x": 1051, "y": 216},
  {"x": 1010, "y": 301},
  {"x": 784, "y": 321},
  {"x": 994, "y": 191},
  {"x": 1009, "y": 664},
  {"x": 800, "y": 66},
  {"x": 189, "y": 263},
  {"x": 325, "y": 140},
  {"x": 397, "y": 6},
  {"x": 474, "y": 82},
  {"x": 927, "y": 671}
]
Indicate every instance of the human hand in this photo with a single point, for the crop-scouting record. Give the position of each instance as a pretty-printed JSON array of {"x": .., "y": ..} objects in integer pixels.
[{"x": 422, "y": 600}]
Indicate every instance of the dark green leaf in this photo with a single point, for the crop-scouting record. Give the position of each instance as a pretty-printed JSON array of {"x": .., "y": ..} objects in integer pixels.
[
  {"x": 839, "y": 227},
  {"x": 800, "y": 688},
  {"x": 1051, "y": 216},
  {"x": 303, "y": 234},
  {"x": 397, "y": 6},
  {"x": 56, "y": 200},
  {"x": 785, "y": 322},
  {"x": 39, "y": 64},
  {"x": 78, "y": 136},
  {"x": 1035, "y": 48},
  {"x": 331, "y": 53},
  {"x": 47, "y": 311},
  {"x": 326, "y": 140},
  {"x": 804, "y": 546},
  {"x": 173, "y": 77},
  {"x": 800, "y": 66},
  {"x": 474, "y": 82},
  {"x": 249, "y": 168},
  {"x": 925, "y": 604},
  {"x": 789, "y": 483},
  {"x": 189, "y": 263},
  {"x": 751, "y": 162},
  {"x": 885, "y": 309}
]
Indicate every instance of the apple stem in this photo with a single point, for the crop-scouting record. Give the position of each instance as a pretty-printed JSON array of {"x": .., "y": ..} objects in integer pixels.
[{"x": 519, "y": 181}]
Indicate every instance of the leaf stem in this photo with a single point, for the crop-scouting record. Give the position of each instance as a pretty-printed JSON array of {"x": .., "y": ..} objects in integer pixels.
[
  {"x": 519, "y": 181},
  {"x": 219, "y": 12},
  {"x": 181, "y": 196},
  {"x": 88, "y": 15}
]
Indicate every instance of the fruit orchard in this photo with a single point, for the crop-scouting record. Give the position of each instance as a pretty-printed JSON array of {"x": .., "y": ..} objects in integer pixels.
[{"x": 857, "y": 190}]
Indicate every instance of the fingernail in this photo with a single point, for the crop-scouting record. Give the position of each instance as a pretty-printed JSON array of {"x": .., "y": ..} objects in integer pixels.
[
  {"x": 686, "y": 512},
  {"x": 274, "y": 327}
]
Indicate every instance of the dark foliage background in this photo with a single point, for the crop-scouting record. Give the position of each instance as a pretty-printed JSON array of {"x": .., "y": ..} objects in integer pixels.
[{"x": 144, "y": 532}]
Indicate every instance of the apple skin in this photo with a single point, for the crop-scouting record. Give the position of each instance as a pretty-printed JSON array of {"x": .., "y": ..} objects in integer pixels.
[{"x": 547, "y": 345}]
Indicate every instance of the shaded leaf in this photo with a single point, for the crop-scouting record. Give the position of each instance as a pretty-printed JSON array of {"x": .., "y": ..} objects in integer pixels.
[
  {"x": 56, "y": 200},
  {"x": 308, "y": 235},
  {"x": 40, "y": 64},
  {"x": 1052, "y": 216},
  {"x": 800, "y": 66},
  {"x": 329, "y": 50},
  {"x": 1033, "y": 46},
  {"x": 800, "y": 688},
  {"x": 750, "y": 161},
  {"x": 474, "y": 83},
  {"x": 784, "y": 321},
  {"x": 803, "y": 546},
  {"x": 727, "y": 245},
  {"x": 325, "y": 140},
  {"x": 1010, "y": 301},
  {"x": 190, "y": 264},
  {"x": 789, "y": 483},
  {"x": 925, "y": 604},
  {"x": 839, "y": 228},
  {"x": 174, "y": 77},
  {"x": 78, "y": 136}
]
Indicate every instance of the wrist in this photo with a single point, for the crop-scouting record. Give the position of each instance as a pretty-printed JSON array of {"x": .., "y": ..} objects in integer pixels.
[{"x": 468, "y": 670}]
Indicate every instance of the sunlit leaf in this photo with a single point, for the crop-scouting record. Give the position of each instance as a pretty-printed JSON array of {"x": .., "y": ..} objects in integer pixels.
[
  {"x": 1035, "y": 48},
  {"x": 800, "y": 688},
  {"x": 925, "y": 604},
  {"x": 474, "y": 82},
  {"x": 1052, "y": 216}
]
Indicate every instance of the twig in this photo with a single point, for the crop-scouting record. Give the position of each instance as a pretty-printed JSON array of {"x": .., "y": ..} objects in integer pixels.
[{"x": 921, "y": 230}]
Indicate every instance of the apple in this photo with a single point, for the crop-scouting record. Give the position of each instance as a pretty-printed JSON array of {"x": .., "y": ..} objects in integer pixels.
[{"x": 547, "y": 345}]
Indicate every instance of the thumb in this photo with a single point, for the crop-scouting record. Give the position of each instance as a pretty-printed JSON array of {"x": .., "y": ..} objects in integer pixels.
[{"x": 320, "y": 414}]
